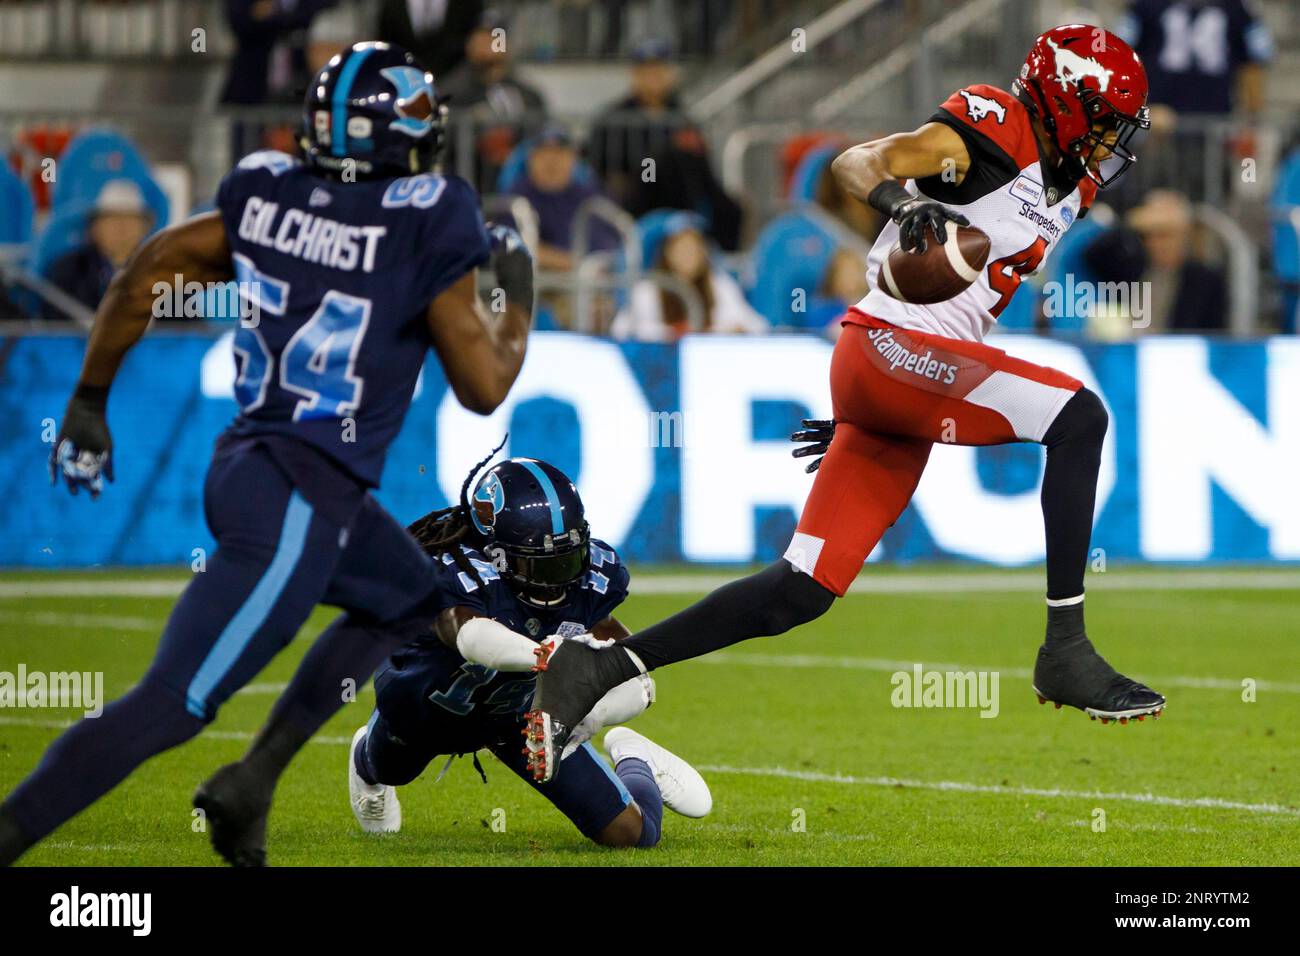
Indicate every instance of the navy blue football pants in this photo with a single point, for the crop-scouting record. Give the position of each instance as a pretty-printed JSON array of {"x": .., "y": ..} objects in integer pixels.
[
  {"x": 408, "y": 730},
  {"x": 277, "y": 557}
]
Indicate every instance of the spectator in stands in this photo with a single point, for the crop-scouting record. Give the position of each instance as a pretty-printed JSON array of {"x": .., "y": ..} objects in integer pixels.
[
  {"x": 1179, "y": 292},
  {"x": 118, "y": 224},
  {"x": 639, "y": 125},
  {"x": 1205, "y": 60},
  {"x": 556, "y": 193},
  {"x": 650, "y": 156},
  {"x": 1202, "y": 56},
  {"x": 495, "y": 106},
  {"x": 270, "y": 65},
  {"x": 843, "y": 285},
  {"x": 270, "y": 61},
  {"x": 655, "y": 314},
  {"x": 859, "y": 218},
  {"x": 1186, "y": 295},
  {"x": 436, "y": 31}
]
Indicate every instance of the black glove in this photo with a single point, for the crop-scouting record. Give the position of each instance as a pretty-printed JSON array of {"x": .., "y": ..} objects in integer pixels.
[
  {"x": 914, "y": 215},
  {"x": 83, "y": 449},
  {"x": 513, "y": 265},
  {"x": 820, "y": 431}
]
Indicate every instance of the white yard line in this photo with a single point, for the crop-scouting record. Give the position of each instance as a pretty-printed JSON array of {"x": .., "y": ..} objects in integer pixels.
[
  {"x": 92, "y": 587},
  {"x": 104, "y": 622},
  {"x": 808, "y": 776},
  {"x": 55, "y": 620},
  {"x": 889, "y": 582},
  {"x": 1024, "y": 673},
  {"x": 957, "y": 786},
  {"x": 1031, "y": 582}
]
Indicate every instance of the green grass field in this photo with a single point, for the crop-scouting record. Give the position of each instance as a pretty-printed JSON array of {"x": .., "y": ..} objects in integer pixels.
[{"x": 799, "y": 727}]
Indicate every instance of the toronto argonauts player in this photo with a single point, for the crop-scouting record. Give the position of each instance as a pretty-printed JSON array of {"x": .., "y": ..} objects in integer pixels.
[
  {"x": 352, "y": 262},
  {"x": 519, "y": 570}
]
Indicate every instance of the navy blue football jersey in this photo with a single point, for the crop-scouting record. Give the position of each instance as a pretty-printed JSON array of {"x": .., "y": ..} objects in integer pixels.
[
  {"x": 1192, "y": 49},
  {"x": 463, "y": 688},
  {"x": 335, "y": 281}
]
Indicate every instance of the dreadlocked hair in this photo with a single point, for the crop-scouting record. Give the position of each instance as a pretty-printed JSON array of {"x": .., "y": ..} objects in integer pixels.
[{"x": 444, "y": 531}]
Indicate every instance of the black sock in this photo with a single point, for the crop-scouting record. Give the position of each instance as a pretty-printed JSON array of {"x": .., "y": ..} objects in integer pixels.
[
  {"x": 1064, "y": 623},
  {"x": 1074, "y": 443},
  {"x": 769, "y": 602}
]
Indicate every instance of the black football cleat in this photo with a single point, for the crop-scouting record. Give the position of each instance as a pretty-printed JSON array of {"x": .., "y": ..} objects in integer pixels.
[
  {"x": 236, "y": 804},
  {"x": 571, "y": 679},
  {"x": 1072, "y": 672}
]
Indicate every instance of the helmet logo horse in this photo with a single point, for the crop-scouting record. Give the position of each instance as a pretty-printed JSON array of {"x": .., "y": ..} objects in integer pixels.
[{"x": 1071, "y": 68}]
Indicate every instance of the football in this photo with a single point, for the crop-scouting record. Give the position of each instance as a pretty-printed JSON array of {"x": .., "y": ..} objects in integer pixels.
[{"x": 938, "y": 273}]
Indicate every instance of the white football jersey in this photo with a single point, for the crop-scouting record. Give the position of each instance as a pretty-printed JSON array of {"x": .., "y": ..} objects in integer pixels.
[{"x": 1005, "y": 194}]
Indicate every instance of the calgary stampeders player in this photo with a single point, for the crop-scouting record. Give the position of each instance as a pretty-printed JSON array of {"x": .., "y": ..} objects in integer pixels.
[{"x": 1022, "y": 166}]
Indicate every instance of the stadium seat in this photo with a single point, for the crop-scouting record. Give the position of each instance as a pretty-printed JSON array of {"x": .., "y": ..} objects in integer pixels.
[
  {"x": 792, "y": 252},
  {"x": 1066, "y": 260},
  {"x": 63, "y": 232},
  {"x": 803, "y": 183},
  {"x": 16, "y": 208},
  {"x": 1018, "y": 316},
  {"x": 1286, "y": 241},
  {"x": 96, "y": 156}
]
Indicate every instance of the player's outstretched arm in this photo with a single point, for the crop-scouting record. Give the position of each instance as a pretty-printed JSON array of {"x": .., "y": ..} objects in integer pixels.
[
  {"x": 481, "y": 353},
  {"x": 870, "y": 172},
  {"x": 481, "y": 640},
  {"x": 928, "y": 151},
  {"x": 197, "y": 251}
]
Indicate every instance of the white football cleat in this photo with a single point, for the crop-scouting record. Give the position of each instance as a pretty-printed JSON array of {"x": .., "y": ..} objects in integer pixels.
[
  {"x": 683, "y": 789},
  {"x": 375, "y": 807}
]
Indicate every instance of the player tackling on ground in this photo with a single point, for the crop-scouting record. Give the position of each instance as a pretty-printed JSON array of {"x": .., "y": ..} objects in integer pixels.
[
  {"x": 358, "y": 259},
  {"x": 1021, "y": 166}
]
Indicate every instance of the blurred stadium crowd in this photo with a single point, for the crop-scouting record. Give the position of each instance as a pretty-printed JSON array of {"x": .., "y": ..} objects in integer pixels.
[{"x": 668, "y": 159}]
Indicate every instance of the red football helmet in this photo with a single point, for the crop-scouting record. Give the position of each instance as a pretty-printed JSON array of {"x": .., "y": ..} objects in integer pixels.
[{"x": 1087, "y": 86}]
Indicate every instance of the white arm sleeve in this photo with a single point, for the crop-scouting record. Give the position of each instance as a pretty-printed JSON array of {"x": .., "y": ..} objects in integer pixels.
[{"x": 482, "y": 640}]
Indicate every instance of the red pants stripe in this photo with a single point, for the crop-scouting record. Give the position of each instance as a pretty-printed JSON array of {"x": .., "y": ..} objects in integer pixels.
[{"x": 895, "y": 393}]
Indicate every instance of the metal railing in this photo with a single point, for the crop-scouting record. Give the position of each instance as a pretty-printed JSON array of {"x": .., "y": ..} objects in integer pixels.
[
  {"x": 917, "y": 53},
  {"x": 780, "y": 56},
  {"x": 539, "y": 29},
  {"x": 16, "y": 275},
  {"x": 1241, "y": 266},
  {"x": 87, "y": 29}
]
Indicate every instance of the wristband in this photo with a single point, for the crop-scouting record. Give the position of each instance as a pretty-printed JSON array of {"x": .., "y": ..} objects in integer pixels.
[
  {"x": 888, "y": 196},
  {"x": 96, "y": 396}
]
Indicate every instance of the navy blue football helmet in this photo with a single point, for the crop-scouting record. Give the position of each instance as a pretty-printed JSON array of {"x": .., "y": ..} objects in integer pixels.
[
  {"x": 374, "y": 108},
  {"x": 534, "y": 526}
]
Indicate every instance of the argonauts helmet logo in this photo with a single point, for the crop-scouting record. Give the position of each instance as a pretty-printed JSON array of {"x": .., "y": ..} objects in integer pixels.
[
  {"x": 489, "y": 499},
  {"x": 414, "y": 103}
]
